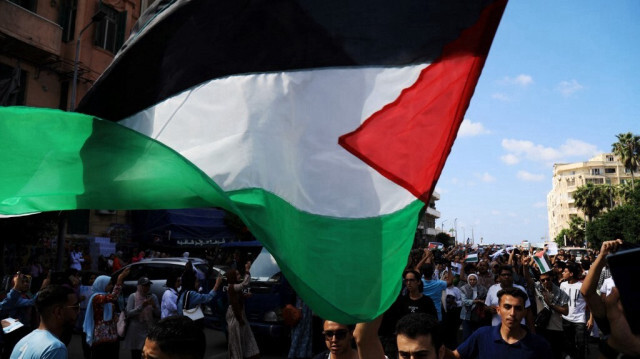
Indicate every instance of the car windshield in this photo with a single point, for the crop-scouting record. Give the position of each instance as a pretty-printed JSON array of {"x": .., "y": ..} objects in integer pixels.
[{"x": 265, "y": 266}]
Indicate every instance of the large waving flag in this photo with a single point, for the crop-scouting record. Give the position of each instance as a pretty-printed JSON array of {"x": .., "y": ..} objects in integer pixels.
[{"x": 322, "y": 124}]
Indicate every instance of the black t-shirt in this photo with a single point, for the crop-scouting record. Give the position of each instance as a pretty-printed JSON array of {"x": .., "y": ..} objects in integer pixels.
[{"x": 403, "y": 306}]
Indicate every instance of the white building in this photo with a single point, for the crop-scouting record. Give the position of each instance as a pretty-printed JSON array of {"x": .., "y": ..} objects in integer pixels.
[{"x": 567, "y": 177}]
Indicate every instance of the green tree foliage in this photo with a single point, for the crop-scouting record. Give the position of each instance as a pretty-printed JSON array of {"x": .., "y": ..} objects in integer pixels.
[
  {"x": 591, "y": 199},
  {"x": 620, "y": 222},
  {"x": 560, "y": 237},
  {"x": 576, "y": 232},
  {"x": 628, "y": 150}
]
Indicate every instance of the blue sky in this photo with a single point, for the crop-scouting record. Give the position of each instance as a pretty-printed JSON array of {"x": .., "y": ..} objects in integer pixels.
[{"x": 561, "y": 80}]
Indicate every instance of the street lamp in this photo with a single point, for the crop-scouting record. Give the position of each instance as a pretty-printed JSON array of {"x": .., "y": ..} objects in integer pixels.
[
  {"x": 442, "y": 224},
  {"x": 455, "y": 237},
  {"x": 95, "y": 18}
]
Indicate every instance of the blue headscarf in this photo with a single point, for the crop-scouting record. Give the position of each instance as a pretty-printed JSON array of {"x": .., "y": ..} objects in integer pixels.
[{"x": 99, "y": 287}]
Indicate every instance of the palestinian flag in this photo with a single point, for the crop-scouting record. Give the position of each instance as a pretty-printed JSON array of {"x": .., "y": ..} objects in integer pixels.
[
  {"x": 323, "y": 124},
  {"x": 471, "y": 258},
  {"x": 542, "y": 261}
]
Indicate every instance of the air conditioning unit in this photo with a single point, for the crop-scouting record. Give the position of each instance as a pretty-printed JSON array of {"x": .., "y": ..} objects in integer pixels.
[{"x": 106, "y": 211}]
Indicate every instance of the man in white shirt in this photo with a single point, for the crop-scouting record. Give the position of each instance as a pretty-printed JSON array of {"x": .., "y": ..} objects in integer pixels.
[
  {"x": 505, "y": 279},
  {"x": 574, "y": 323}
]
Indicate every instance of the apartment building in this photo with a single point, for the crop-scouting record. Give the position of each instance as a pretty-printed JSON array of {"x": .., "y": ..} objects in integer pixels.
[
  {"x": 567, "y": 177},
  {"x": 42, "y": 42},
  {"x": 426, "y": 230}
]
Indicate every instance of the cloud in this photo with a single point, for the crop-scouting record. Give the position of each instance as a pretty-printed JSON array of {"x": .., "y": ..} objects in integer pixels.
[
  {"x": 568, "y": 88},
  {"x": 510, "y": 159},
  {"x": 485, "y": 177},
  {"x": 512, "y": 214},
  {"x": 527, "y": 176},
  {"x": 469, "y": 128},
  {"x": 540, "y": 204},
  {"x": 571, "y": 148},
  {"x": 500, "y": 97},
  {"x": 520, "y": 80},
  {"x": 495, "y": 212}
]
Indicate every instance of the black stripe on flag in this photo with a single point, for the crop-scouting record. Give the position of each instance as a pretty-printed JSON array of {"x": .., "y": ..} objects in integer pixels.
[{"x": 185, "y": 43}]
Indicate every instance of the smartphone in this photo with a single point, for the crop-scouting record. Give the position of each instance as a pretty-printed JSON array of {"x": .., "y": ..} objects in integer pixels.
[{"x": 625, "y": 272}]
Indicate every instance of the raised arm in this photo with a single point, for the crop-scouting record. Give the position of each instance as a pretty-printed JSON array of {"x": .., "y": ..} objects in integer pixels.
[
  {"x": 590, "y": 283},
  {"x": 367, "y": 340}
]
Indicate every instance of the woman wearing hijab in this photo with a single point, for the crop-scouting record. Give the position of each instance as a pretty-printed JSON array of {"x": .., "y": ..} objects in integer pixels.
[
  {"x": 473, "y": 295},
  {"x": 242, "y": 344},
  {"x": 100, "y": 321},
  {"x": 142, "y": 312}
]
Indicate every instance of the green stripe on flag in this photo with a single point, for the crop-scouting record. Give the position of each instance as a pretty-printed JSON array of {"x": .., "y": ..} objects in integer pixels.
[
  {"x": 347, "y": 270},
  {"x": 323, "y": 254},
  {"x": 56, "y": 160}
]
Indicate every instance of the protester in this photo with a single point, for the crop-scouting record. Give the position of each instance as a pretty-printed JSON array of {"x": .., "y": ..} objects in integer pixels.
[
  {"x": 142, "y": 310},
  {"x": 551, "y": 304},
  {"x": 338, "y": 338},
  {"x": 414, "y": 301},
  {"x": 242, "y": 344},
  {"x": 19, "y": 304},
  {"x": 474, "y": 311},
  {"x": 58, "y": 308},
  {"x": 451, "y": 318},
  {"x": 508, "y": 339},
  {"x": 301, "y": 333},
  {"x": 432, "y": 288},
  {"x": 574, "y": 323},
  {"x": 76, "y": 258},
  {"x": 418, "y": 336},
  {"x": 175, "y": 337},
  {"x": 485, "y": 277},
  {"x": 188, "y": 297},
  {"x": 169, "y": 306},
  {"x": 100, "y": 320},
  {"x": 506, "y": 281}
]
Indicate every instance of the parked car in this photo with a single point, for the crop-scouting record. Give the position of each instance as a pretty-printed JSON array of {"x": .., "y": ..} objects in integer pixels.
[
  {"x": 578, "y": 252},
  {"x": 157, "y": 270}
]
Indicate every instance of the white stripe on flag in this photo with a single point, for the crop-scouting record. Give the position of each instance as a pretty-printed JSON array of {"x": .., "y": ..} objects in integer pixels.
[
  {"x": 542, "y": 264},
  {"x": 279, "y": 132}
]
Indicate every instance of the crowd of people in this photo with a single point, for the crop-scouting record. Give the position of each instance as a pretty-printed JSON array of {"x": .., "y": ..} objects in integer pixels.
[
  {"x": 509, "y": 302},
  {"x": 457, "y": 302}
]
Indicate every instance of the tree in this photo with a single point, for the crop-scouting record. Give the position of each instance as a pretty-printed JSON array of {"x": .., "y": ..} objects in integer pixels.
[
  {"x": 628, "y": 150},
  {"x": 561, "y": 236},
  {"x": 576, "y": 232},
  {"x": 622, "y": 222},
  {"x": 623, "y": 192},
  {"x": 591, "y": 199}
]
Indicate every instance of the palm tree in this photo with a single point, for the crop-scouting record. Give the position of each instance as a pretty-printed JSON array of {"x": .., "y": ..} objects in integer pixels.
[
  {"x": 624, "y": 192},
  {"x": 576, "y": 231},
  {"x": 591, "y": 199},
  {"x": 628, "y": 150}
]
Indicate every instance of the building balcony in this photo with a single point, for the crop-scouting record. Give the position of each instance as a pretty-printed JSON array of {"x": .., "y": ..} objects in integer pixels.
[
  {"x": 433, "y": 212},
  {"x": 28, "y": 35}
]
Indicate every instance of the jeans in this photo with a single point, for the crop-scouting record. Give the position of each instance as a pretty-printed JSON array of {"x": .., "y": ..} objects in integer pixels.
[{"x": 575, "y": 339}]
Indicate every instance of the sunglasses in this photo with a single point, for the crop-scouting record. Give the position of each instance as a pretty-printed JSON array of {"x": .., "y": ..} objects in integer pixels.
[{"x": 339, "y": 334}]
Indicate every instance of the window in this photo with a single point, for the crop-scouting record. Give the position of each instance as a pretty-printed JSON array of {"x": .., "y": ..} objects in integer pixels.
[
  {"x": 595, "y": 171},
  {"x": 609, "y": 158},
  {"x": 68, "y": 9},
  {"x": 595, "y": 180},
  {"x": 13, "y": 76},
  {"x": 571, "y": 182},
  {"x": 110, "y": 30},
  {"x": 609, "y": 170}
]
